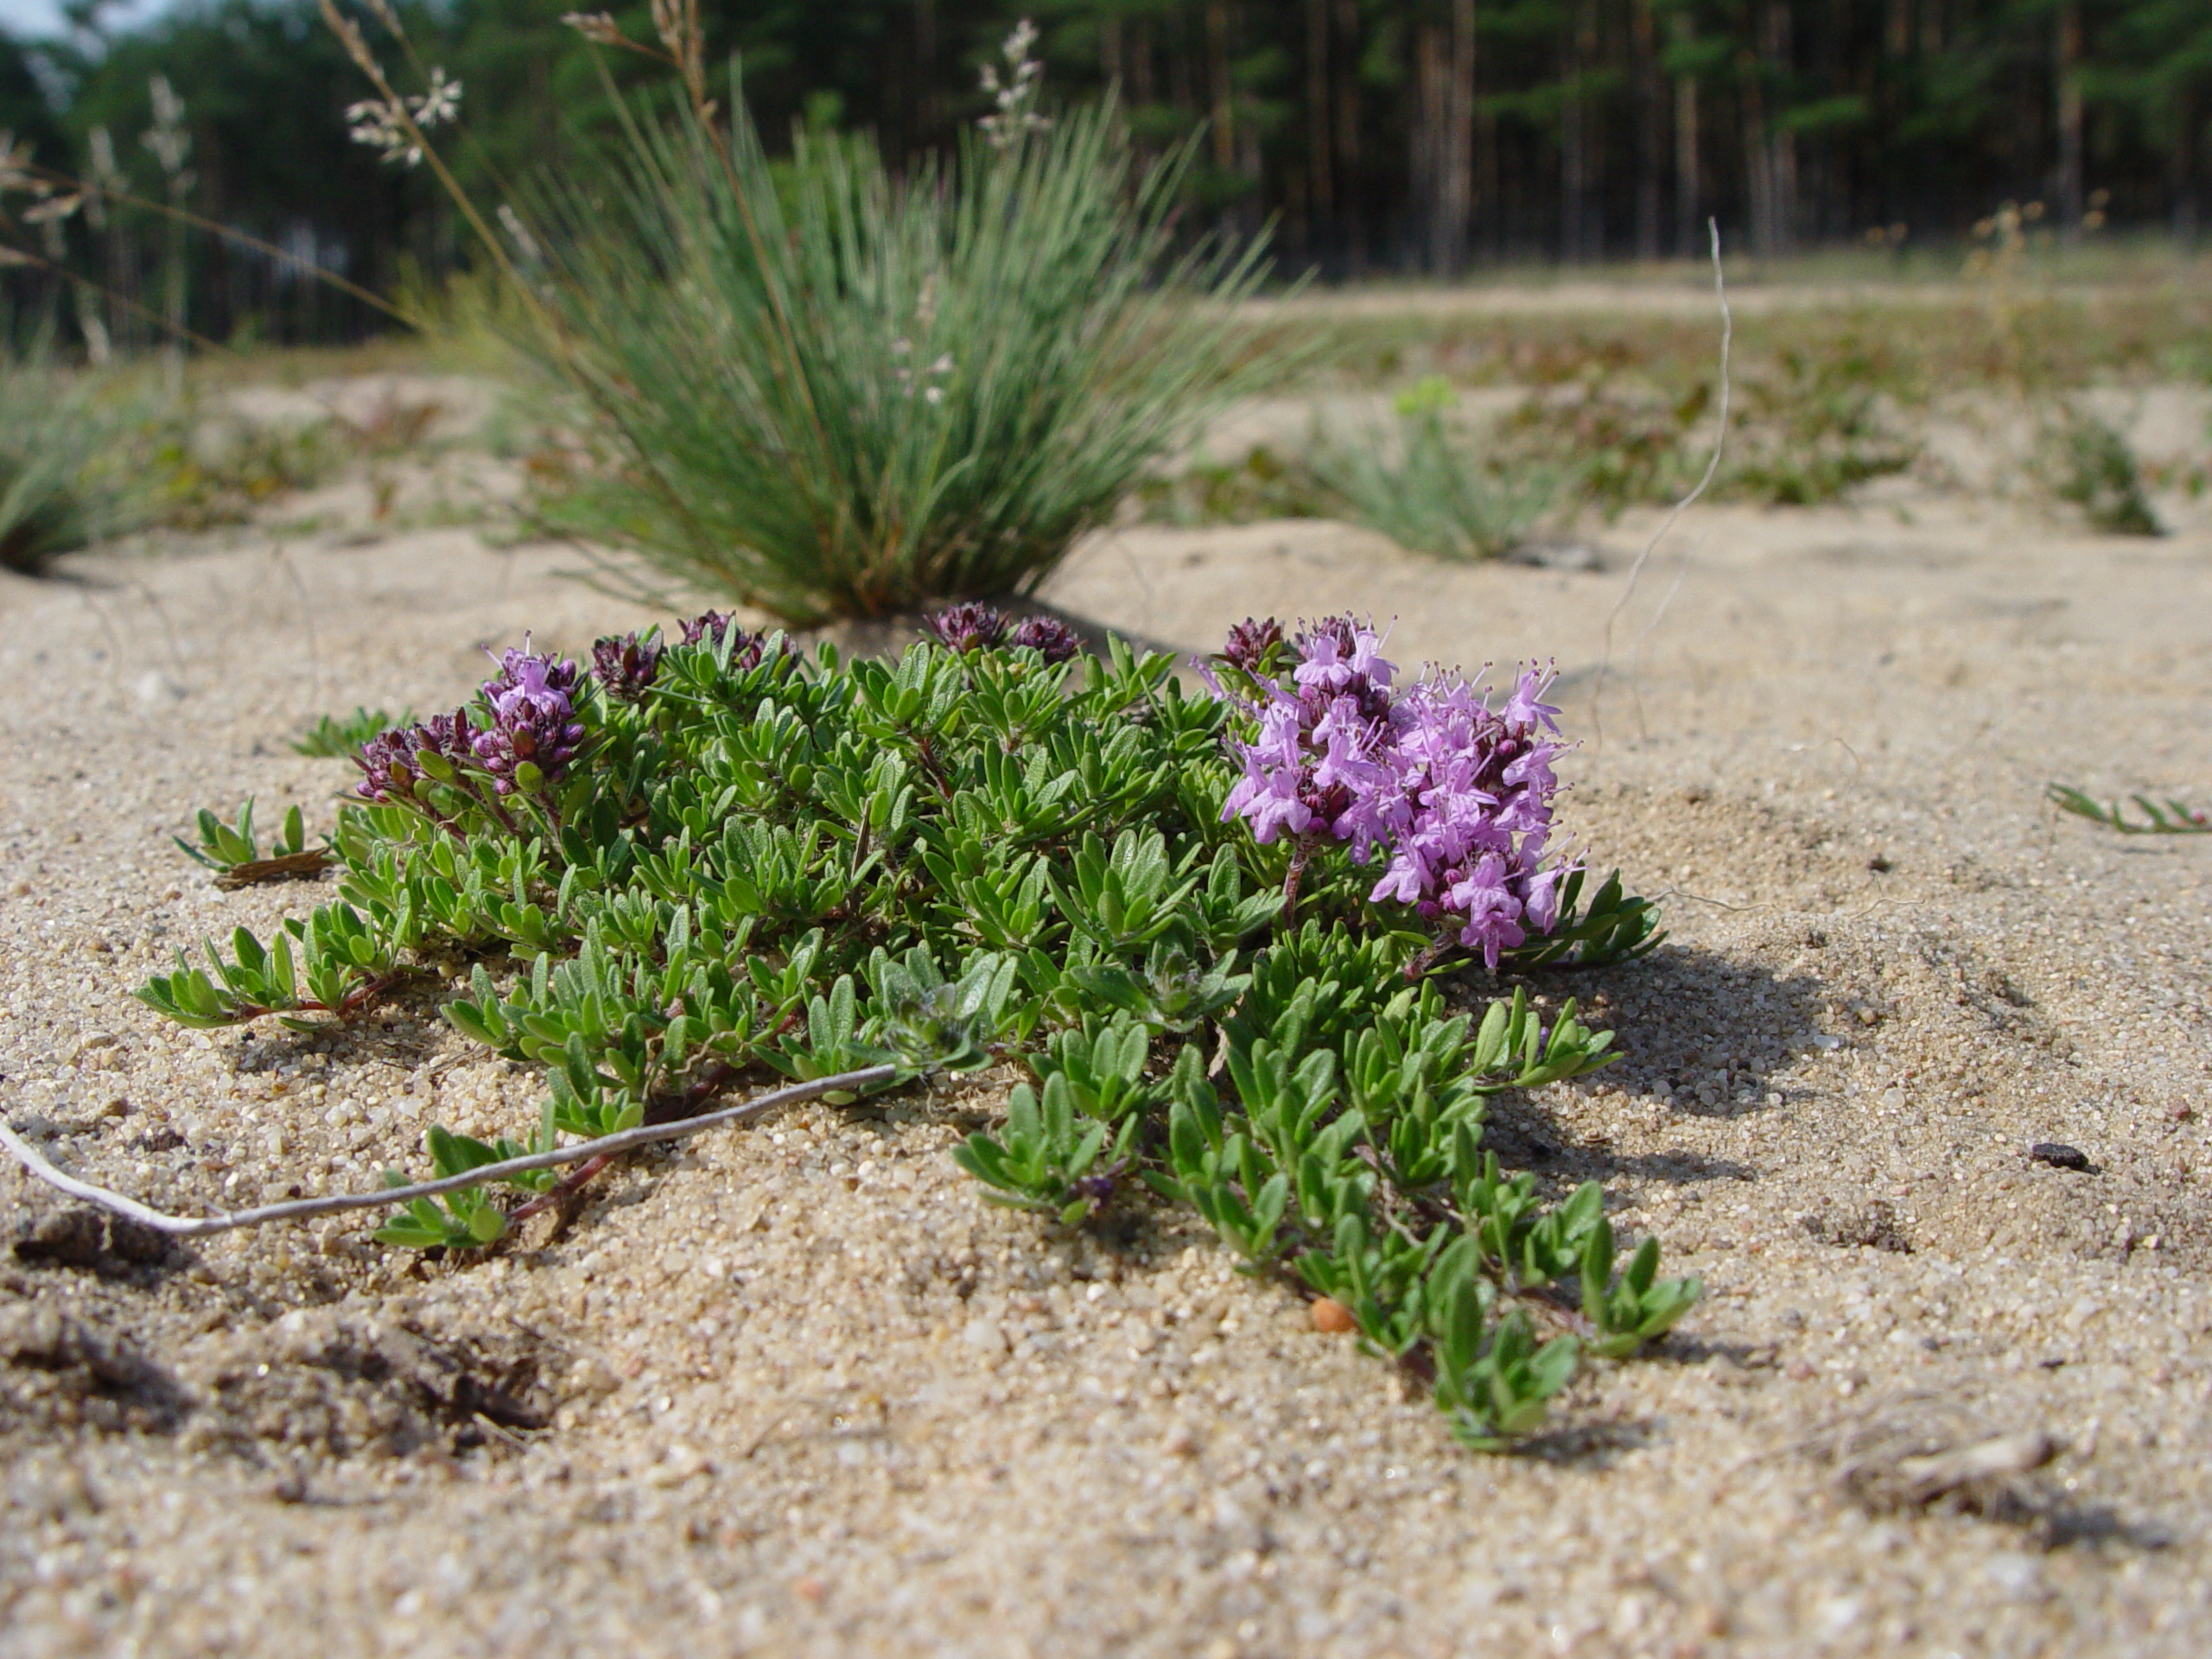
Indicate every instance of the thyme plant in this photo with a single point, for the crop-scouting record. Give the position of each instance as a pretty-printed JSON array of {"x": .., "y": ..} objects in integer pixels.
[{"x": 1200, "y": 934}]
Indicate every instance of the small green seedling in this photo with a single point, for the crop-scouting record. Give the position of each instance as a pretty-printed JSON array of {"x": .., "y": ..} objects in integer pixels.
[
  {"x": 2173, "y": 819},
  {"x": 233, "y": 852}
]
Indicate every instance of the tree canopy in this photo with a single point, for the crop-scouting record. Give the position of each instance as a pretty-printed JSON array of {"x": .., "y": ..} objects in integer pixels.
[{"x": 1375, "y": 135}]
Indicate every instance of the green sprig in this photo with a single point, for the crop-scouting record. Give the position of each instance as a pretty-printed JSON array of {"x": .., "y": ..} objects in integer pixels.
[{"x": 2173, "y": 819}]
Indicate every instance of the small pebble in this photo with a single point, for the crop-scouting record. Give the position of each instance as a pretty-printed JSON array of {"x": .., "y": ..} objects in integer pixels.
[
  {"x": 155, "y": 690},
  {"x": 2058, "y": 1155},
  {"x": 1332, "y": 1317}
]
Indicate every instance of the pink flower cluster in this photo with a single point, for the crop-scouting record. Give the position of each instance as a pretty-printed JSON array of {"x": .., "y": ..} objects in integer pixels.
[
  {"x": 533, "y": 718},
  {"x": 1456, "y": 794}
]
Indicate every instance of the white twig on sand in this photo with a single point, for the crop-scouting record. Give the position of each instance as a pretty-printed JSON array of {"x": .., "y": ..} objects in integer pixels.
[
  {"x": 1659, "y": 615},
  {"x": 301, "y": 1209},
  {"x": 1711, "y": 466}
]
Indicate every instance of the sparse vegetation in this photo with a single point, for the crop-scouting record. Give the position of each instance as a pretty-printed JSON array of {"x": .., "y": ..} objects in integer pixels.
[
  {"x": 61, "y": 488},
  {"x": 1432, "y": 486},
  {"x": 2093, "y": 467}
]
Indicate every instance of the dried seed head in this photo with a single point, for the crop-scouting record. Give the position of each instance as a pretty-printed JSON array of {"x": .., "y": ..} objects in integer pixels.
[{"x": 597, "y": 27}]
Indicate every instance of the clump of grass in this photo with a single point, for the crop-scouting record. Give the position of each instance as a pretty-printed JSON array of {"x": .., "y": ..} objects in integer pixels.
[
  {"x": 59, "y": 490},
  {"x": 88, "y": 456},
  {"x": 1429, "y": 487},
  {"x": 2175, "y": 818},
  {"x": 824, "y": 391},
  {"x": 341, "y": 735},
  {"x": 2095, "y": 467}
]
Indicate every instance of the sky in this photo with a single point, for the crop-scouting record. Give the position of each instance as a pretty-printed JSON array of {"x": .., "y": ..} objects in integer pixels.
[{"x": 27, "y": 18}]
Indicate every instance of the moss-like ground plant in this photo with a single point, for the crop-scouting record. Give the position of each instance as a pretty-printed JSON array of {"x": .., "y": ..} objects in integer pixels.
[{"x": 1203, "y": 931}]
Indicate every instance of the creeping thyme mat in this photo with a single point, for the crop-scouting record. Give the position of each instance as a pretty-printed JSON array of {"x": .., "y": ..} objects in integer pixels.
[{"x": 1210, "y": 929}]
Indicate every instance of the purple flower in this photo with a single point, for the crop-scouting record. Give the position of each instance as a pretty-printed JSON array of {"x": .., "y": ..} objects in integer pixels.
[
  {"x": 1319, "y": 756},
  {"x": 1473, "y": 813},
  {"x": 535, "y": 678},
  {"x": 625, "y": 665},
  {"x": 533, "y": 719},
  {"x": 1049, "y": 635},
  {"x": 970, "y": 626},
  {"x": 1456, "y": 794}
]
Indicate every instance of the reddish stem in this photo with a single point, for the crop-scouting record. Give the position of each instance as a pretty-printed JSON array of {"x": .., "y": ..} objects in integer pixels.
[
  {"x": 710, "y": 1082},
  {"x": 1298, "y": 862}
]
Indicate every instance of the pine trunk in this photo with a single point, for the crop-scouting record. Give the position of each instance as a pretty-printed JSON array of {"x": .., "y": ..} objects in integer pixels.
[
  {"x": 1321, "y": 182},
  {"x": 2188, "y": 138},
  {"x": 1689, "y": 181},
  {"x": 1444, "y": 139},
  {"x": 1758, "y": 171},
  {"x": 1223, "y": 121},
  {"x": 1346, "y": 104},
  {"x": 1778, "y": 52},
  {"x": 1643, "y": 46},
  {"x": 2067, "y": 72},
  {"x": 1575, "y": 147}
]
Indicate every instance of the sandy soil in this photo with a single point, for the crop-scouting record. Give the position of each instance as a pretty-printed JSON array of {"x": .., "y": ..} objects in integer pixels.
[
  {"x": 1683, "y": 290},
  {"x": 797, "y": 1391}
]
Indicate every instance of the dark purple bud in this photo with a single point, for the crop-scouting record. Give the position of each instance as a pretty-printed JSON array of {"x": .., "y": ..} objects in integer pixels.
[
  {"x": 1057, "y": 641},
  {"x": 745, "y": 649},
  {"x": 970, "y": 626},
  {"x": 625, "y": 665},
  {"x": 1097, "y": 1189},
  {"x": 387, "y": 764},
  {"x": 1253, "y": 644},
  {"x": 392, "y": 761},
  {"x": 707, "y": 628}
]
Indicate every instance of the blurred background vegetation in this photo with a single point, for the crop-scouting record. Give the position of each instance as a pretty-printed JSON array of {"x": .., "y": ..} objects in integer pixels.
[
  {"x": 1379, "y": 136},
  {"x": 2052, "y": 153}
]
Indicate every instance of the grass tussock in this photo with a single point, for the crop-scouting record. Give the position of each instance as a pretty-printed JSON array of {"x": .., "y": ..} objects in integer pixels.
[
  {"x": 827, "y": 392},
  {"x": 63, "y": 486},
  {"x": 1431, "y": 485}
]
